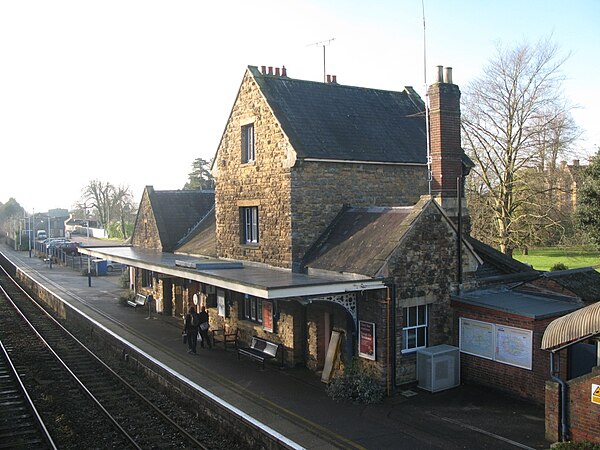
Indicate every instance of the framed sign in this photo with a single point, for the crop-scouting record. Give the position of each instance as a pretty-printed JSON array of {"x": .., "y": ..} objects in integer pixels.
[
  {"x": 221, "y": 302},
  {"x": 366, "y": 340},
  {"x": 477, "y": 338},
  {"x": 513, "y": 346},
  {"x": 267, "y": 315}
]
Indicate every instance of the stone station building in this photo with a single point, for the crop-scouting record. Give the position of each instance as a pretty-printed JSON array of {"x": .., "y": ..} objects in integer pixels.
[{"x": 324, "y": 231}]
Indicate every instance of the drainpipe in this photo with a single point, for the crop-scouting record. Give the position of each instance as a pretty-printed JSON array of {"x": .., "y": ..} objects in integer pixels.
[
  {"x": 564, "y": 430},
  {"x": 388, "y": 341}
]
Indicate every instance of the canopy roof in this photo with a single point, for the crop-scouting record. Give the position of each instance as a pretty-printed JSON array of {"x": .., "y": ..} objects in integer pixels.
[{"x": 572, "y": 328}]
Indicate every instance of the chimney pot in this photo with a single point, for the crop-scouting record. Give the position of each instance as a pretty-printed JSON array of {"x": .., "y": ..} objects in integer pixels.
[
  {"x": 276, "y": 71},
  {"x": 448, "y": 75},
  {"x": 334, "y": 78},
  {"x": 576, "y": 162},
  {"x": 440, "y": 74},
  {"x": 283, "y": 72},
  {"x": 329, "y": 78},
  {"x": 263, "y": 69},
  {"x": 270, "y": 70}
]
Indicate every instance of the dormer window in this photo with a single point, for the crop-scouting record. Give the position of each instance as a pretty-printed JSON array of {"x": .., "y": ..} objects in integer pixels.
[{"x": 248, "y": 154}]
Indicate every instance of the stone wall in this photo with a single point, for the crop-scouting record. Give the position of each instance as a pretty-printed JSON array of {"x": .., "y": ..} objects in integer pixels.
[
  {"x": 295, "y": 204},
  {"x": 264, "y": 182},
  {"x": 145, "y": 233},
  {"x": 424, "y": 270},
  {"x": 321, "y": 189}
]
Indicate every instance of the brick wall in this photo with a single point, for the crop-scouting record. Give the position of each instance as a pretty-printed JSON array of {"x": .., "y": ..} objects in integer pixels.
[
  {"x": 583, "y": 416},
  {"x": 517, "y": 381}
]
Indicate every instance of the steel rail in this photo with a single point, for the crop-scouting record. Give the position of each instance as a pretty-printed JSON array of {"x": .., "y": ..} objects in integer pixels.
[{"x": 139, "y": 395}]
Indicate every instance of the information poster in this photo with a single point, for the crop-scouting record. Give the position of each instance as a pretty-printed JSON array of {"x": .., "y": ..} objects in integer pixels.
[
  {"x": 221, "y": 302},
  {"x": 366, "y": 340},
  {"x": 513, "y": 346},
  {"x": 267, "y": 315},
  {"x": 477, "y": 338}
]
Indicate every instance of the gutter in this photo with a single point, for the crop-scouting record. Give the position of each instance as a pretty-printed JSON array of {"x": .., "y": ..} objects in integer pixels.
[{"x": 564, "y": 428}]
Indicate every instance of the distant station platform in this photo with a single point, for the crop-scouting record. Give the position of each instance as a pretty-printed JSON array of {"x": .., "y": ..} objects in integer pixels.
[{"x": 292, "y": 403}]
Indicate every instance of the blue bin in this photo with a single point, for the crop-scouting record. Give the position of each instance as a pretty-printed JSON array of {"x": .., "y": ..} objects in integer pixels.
[{"x": 100, "y": 266}]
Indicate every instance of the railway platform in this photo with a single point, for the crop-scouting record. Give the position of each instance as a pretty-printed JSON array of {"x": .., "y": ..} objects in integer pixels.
[{"x": 293, "y": 402}]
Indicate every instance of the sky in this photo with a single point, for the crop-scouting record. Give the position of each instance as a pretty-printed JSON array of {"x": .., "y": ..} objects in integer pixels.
[{"x": 132, "y": 92}]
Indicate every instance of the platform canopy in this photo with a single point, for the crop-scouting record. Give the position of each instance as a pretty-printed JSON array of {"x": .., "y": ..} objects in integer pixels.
[{"x": 572, "y": 328}]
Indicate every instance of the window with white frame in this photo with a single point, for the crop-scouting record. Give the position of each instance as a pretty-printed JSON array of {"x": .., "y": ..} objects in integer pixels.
[
  {"x": 249, "y": 216},
  {"x": 248, "y": 154},
  {"x": 414, "y": 332},
  {"x": 253, "y": 308}
]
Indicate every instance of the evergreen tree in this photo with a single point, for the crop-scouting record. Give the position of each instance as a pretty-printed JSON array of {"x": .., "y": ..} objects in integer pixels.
[
  {"x": 200, "y": 177},
  {"x": 588, "y": 200}
]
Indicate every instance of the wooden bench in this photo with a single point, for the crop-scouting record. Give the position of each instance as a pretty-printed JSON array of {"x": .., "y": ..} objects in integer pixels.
[
  {"x": 260, "y": 349},
  {"x": 226, "y": 337},
  {"x": 139, "y": 300}
]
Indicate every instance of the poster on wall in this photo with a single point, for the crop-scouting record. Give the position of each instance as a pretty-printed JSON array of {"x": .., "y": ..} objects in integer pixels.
[
  {"x": 477, "y": 338},
  {"x": 221, "y": 302},
  {"x": 267, "y": 315},
  {"x": 366, "y": 340},
  {"x": 513, "y": 346}
]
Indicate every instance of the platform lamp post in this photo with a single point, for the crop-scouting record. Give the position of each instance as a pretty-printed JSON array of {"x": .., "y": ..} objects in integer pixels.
[{"x": 89, "y": 257}]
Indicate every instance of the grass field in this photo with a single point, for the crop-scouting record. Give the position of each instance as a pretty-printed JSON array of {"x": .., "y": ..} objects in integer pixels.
[{"x": 572, "y": 257}]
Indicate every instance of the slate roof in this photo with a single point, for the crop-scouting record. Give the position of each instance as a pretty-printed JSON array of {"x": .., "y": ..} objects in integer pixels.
[
  {"x": 496, "y": 263},
  {"x": 333, "y": 121},
  {"x": 177, "y": 212},
  {"x": 584, "y": 282},
  {"x": 361, "y": 240},
  {"x": 202, "y": 239}
]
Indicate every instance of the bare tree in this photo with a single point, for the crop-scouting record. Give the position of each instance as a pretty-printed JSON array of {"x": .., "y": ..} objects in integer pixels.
[
  {"x": 98, "y": 195},
  {"x": 122, "y": 202},
  {"x": 509, "y": 111}
]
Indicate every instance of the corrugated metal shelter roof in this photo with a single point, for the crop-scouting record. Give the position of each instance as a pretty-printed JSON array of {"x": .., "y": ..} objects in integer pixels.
[
  {"x": 518, "y": 303},
  {"x": 572, "y": 328}
]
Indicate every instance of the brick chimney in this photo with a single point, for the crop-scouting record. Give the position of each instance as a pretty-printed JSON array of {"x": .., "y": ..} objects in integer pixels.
[{"x": 444, "y": 131}]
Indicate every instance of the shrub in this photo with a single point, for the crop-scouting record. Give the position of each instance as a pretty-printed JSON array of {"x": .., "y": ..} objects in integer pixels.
[
  {"x": 127, "y": 296},
  {"x": 358, "y": 383},
  {"x": 558, "y": 266},
  {"x": 584, "y": 445}
]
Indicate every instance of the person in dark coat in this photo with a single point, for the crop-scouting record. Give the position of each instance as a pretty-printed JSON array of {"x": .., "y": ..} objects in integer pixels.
[
  {"x": 204, "y": 328},
  {"x": 192, "y": 321}
]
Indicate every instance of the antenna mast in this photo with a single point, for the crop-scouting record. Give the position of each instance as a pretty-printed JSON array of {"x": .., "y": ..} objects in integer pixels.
[
  {"x": 429, "y": 174},
  {"x": 324, "y": 44}
]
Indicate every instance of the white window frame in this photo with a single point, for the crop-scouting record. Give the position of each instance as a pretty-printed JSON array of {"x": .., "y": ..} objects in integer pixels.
[
  {"x": 250, "y": 224},
  {"x": 248, "y": 143},
  {"x": 414, "y": 328}
]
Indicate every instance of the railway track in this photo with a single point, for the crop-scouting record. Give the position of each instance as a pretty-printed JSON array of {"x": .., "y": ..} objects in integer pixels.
[
  {"x": 84, "y": 402},
  {"x": 20, "y": 422}
]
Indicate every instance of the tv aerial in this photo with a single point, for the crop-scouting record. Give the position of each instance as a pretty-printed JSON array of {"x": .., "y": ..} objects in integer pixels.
[{"x": 324, "y": 44}]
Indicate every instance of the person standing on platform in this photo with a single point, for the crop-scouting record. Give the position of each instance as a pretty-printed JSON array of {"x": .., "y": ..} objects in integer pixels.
[
  {"x": 192, "y": 321},
  {"x": 204, "y": 327}
]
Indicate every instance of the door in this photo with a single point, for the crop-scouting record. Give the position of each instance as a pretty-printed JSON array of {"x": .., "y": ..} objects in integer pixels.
[{"x": 167, "y": 296}]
